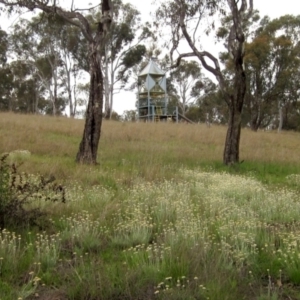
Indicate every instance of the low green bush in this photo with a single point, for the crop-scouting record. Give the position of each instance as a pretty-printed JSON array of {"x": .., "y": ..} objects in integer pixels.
[{"x": 21, "y": 196}]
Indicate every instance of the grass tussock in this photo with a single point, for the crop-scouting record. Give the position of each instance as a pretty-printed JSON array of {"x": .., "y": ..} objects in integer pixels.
[{"x": 159, "y": 218}]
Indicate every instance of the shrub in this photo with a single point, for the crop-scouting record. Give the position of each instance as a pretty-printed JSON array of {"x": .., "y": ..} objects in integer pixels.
[{"x": 21, "y": 195}]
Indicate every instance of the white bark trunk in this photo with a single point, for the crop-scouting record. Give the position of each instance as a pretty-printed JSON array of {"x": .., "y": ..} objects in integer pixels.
[{"x": 280, "y": 117}]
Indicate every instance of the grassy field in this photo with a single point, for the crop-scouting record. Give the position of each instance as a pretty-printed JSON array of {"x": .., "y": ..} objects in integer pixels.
[{"x": 160, "y": 217}]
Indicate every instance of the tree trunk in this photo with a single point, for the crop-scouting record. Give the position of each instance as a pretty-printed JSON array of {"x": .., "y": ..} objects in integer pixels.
[
  {"x": 106, "y": 83},
  {"x": 111, "y": 102},
  {"x": 75, "y": 99},
  {"x": 257, "y": 114},
  {"x": 236, "y": 102},
  {"x": 111, "y": 90},
  {"x": 88, "y": 147},
  {"x": 254, "y": 114},
  {"x": 10, "y": 105},
  {"x": 71, "y": 108},
  {"x": 232, "y": 143},
  {"x": 280, "y": 117},
  {"x": 36, "y": 102},
  {"x": 254, "y": 122},
  {"x": 52, "y": 100},
  {"x": 55, "y": 100}
]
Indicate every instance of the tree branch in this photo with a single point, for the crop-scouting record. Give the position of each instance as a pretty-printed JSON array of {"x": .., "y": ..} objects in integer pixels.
[
  {"x": 85, "y": 9},
  {"x": 68, "y": 16},
  {"x": 201, "y": 55},
  {"x": 180, "y": 57}
]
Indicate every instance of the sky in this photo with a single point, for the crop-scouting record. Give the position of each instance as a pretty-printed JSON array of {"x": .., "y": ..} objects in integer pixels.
[{"x": 126, "y": 100}]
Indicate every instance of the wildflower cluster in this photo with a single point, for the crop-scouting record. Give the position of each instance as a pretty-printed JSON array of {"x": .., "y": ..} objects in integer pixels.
[
  {"x": 172, "y": 285},
  {"x": 9, "y": 244},
  {"x": 236, "y": 218},
  {"x": 82, "y": 224},
  {"x": 294, "y": 178}
]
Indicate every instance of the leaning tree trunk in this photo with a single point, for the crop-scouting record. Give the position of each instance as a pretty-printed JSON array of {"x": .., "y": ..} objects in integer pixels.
[
  {"x": 236, "y": 101},
  {"x": 89, "y": 144}
]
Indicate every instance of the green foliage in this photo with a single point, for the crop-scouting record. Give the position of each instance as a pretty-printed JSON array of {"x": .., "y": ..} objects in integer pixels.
[
  {"x": 123, "y": 50},
  {"x": 272, "y": 69},
  {"x": 4, "y": 182},
  {"x": 130, "y": 59},
  {"x": 6, "y": 85},
  {"x": 186, "y": 78},
  {"x": 3, "y": 46},
  {"x": 129, "y": 115},
  {"x": 48, "y": 52},
  {"x": 21, "y": 195},
  {"x": 134, "y": 56}
]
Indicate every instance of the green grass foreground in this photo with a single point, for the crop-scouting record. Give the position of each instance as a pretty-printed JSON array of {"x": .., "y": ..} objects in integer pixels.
[{"x": 159, "y": 218}]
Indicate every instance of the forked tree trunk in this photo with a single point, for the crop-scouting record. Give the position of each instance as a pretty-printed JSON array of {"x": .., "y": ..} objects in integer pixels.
[
  {"x": 254, "y": 124},
  {"x": 88, "y": 147},
  {"x": 241, "y": 11}
]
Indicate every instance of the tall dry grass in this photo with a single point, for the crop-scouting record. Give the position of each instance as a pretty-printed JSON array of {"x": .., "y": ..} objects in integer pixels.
[{"x": 151, "y": 150}]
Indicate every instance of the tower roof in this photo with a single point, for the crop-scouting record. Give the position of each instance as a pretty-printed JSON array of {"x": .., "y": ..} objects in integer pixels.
[{"x": 152, "y": 69}]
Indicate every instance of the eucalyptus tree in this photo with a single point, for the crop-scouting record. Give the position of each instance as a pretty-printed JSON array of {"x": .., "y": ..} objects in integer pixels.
[
  {"x": 53, "y": 48},
  {"x": 123, "y": 50},
  {"x": 6, "y": 87},
  {"x": 71, "y": 51},
  {"x": 96, "y": 39},
  {"x": 3, "y": 47},
  {"x": 185, "y": 18},
  {"x": 272, "y": 66},
  {"x": 33, "y": 45},
  {"x": 28, "y": 92},
  {"x": 209, "y": 106},
  {"x": 185, "y": 79},
  {"x": 6, "y": 78}
]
